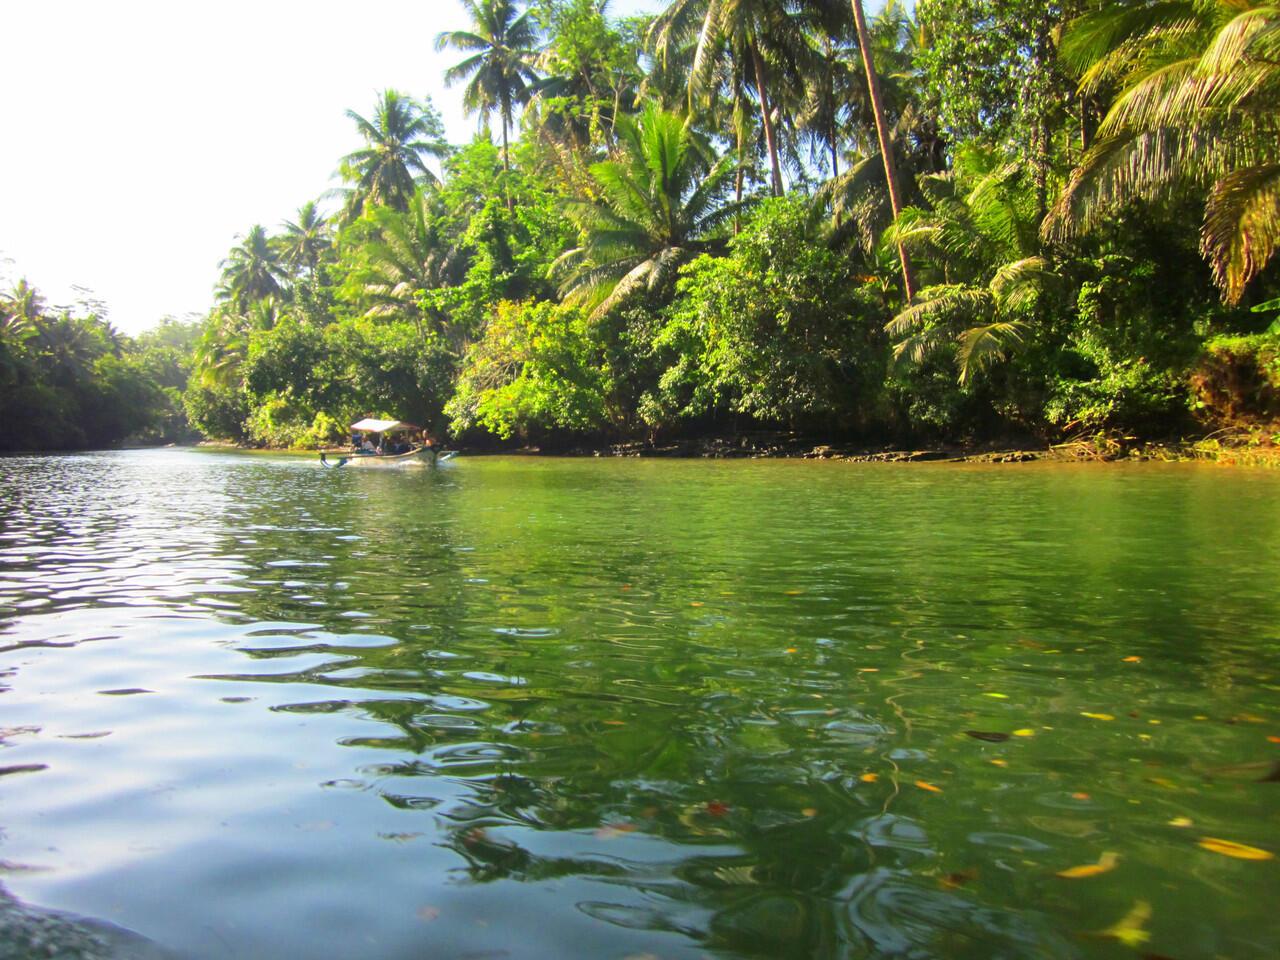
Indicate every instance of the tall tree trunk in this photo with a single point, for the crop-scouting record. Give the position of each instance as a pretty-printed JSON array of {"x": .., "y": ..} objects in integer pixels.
[
  {"x": 882, "y": 133},
  {"x": 506, "y": 164},
  {"x": 737, "y": 180},
  {"x": 757, "y": 64}
]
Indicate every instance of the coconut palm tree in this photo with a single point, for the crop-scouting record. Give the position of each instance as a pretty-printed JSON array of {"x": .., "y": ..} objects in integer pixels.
[
  {"x": 305, "y": 240},
  {"x": 391, "y": 165},
  {"x": 411, "y": 257},
  {"x": 882, "y": 136},
  {"x": 766, "y": 37},
  {"x": 500, "y": 68},
  {"x": 983, "y": 242},
  {"x": 1196, "y": 96},
  {"x": 659, "y": 206},
  {"x": 252, "y": 271}
]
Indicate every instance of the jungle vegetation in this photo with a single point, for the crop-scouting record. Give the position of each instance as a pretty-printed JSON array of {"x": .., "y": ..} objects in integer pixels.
[{"x": 973, "y": 219}]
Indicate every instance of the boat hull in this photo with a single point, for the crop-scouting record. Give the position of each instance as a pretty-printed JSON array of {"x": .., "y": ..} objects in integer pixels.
[{"x": 421, "y": 457}]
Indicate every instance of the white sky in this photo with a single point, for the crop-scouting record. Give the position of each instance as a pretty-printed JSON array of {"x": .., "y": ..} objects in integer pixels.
[{"x": 141, "y": 137}]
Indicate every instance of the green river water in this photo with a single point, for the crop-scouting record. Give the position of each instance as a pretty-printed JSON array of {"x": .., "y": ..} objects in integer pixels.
[{"x": 643, "y": 710}]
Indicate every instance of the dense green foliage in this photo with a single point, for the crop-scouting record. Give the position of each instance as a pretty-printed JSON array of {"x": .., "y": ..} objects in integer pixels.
[
  {"x": 69, "y": 380},
  {"x": 687, "y": 227}
]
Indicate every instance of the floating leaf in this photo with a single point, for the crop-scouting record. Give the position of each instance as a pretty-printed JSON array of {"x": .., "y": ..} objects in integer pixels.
[
  {"x": 793, "y": 593},
  {"x": 958, "y": 879},
  {"x": 1238, "y": 850},
  {"x": 928, "y": 786},
  {"x": 1098, "y": 716},
  {"x": 1024, "y": 732},
  {"x": 810, "y": 811},
  {"x": 1081, "y": 796},
  {"x": 998, "y": 696},
  {"x": 1273, "y": 739},
  {"x": 1132, "y": 659},
  {"x": 1105, "y": 862},
  {"x": 1128, "y": 930},
  {"x": 1163, "y": 782},
  {"x": 869, "y": 777},
  {"x": 987, "y": 735},
  {"x": 1000, "y": 763},
  {"x": 1180, "y": 822}
]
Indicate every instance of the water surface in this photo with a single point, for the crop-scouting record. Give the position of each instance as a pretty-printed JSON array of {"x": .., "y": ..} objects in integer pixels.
[{"x": 620, "y": 709}]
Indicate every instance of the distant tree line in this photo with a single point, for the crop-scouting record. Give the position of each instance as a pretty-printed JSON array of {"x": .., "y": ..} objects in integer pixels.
[
  {"x": 981, "y": 218},
  {"x": 69, "y": 380}
]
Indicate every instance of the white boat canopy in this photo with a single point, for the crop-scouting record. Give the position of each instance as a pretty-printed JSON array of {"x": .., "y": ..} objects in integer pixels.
[{"x": 382, "y": 426}]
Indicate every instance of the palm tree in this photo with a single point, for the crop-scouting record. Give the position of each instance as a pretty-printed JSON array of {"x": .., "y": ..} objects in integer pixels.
[
  {"x": 983, "y": 241},
  {"x": 221, "y": 349},
  {"x": 305, "y": 240},
  {"x": 410, "y": 258},
  {"x": 391, "y": 166},
  {"x": 252, "y": 271},
  {"x": 765, "y": 36},
  {"x": 500, "y": 68},
  {"x": 1197, "y": 96},
  {"x": 20, "y": 310},
  {"x": 882, "y": 135},
  {"x": 69, "y": 345},
  {"x": 659, "y": 206}
]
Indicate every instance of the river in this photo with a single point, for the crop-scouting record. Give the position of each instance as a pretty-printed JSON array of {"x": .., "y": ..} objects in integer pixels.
[{"x": 546, "y": 708}]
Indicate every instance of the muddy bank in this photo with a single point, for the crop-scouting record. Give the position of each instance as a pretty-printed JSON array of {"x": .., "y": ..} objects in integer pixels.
[{"x": 1247, "y": 448}]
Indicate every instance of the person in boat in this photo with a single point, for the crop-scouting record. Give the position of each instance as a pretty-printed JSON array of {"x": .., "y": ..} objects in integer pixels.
[{"x": 366, "y": 446}]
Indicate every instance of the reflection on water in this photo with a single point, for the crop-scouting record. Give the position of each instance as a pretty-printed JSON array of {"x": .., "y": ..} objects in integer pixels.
[{"x": 538, "y": 708}]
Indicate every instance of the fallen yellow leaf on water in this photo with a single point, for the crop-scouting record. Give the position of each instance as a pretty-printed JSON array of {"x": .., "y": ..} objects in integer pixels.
[
  {"x": 928, "y": 786},
  {"x": 793, "y": 593},
  {"x": 616, "y": 723},
  {"x": 810, "y": 811},
  {"x": 1000, "y": 763},
  {"x": 869, "y": 777},
  {"x": 1105, "y": 862},
  {"x": 1238, "y": 850},
  {"x": 1001, "y": 696},
  {"x": 1180, "y": 822},
  {"x": 1098, "y": 716},
  {"x": 1163, "y": 782},
  {"x": 1024, "y": 732},
  {"x": 868, "y": 669},
  {"x": 1128, "y": 930},
  {"x": 1132, "y": 659}
]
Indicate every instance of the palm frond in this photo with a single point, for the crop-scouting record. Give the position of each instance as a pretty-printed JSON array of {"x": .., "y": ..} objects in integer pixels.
[
  {"x": 940, "y": 303},
  {"x": 981, "y": 346},
  {"x": 1242, "y": 226}
]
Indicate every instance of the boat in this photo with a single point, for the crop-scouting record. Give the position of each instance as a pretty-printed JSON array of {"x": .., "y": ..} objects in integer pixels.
[{"x": 374, "y": 444}]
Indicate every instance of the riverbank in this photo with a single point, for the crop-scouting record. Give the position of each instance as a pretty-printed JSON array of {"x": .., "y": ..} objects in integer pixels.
[
  {"x": 1231, "y": 447},
  {"x": 1242, "y": 446}
]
